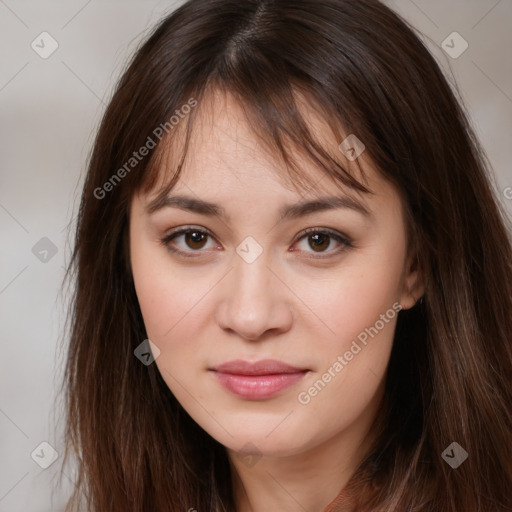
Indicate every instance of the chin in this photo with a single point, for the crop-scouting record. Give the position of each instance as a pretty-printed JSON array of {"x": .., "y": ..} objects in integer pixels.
[{"x": 261, "y": 438}]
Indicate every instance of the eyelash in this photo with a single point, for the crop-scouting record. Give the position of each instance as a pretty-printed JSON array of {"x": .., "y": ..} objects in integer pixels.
[{"x": 342, "y": 239}]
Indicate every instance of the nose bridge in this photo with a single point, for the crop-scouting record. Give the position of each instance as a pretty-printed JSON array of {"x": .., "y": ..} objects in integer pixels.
[
  {"x": 251, "y": 263},
  {"x": 252, "y": 288}
]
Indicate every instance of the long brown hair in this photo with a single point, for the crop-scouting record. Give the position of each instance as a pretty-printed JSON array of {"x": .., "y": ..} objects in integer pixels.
[{"x": 450, "y": 372}]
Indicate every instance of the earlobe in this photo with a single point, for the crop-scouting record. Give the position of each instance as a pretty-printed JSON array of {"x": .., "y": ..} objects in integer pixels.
[{"x": 413, "y": 284}]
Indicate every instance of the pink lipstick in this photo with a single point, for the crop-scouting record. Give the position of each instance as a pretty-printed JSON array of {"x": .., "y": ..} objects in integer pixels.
[{"x": 257, "y": 381}]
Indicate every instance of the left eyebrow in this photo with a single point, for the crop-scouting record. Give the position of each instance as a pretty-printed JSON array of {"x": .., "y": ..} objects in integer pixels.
[
  {"x": 322, "y": 204},
  {"x": 286, "y": 212}
]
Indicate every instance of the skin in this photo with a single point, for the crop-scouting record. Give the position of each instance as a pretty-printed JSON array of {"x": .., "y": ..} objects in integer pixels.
[{"x": 294, "y": 303}]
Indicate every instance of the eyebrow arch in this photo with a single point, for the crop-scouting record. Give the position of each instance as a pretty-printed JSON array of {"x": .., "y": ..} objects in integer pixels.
[{"x": 286, "y": 212}]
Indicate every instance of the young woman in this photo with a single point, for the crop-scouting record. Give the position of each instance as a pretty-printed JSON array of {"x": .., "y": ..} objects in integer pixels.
[{"x": 293, "y": 279}]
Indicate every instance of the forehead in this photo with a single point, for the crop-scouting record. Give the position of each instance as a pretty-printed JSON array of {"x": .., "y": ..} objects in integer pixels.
[{"x": 227, "y": 148}]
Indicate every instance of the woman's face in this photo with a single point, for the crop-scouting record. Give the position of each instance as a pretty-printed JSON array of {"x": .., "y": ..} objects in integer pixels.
[{"x": 246, "y": 284}]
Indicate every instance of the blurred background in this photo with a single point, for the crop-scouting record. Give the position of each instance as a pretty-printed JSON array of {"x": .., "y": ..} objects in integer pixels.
[{"x": 59, "y": 62}]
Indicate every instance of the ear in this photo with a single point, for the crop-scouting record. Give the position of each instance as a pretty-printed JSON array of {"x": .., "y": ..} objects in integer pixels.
[{"x": 413, "y": 286}]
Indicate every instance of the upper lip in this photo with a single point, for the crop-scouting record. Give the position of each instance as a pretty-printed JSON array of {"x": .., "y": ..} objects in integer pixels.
[{"x": 263, "y": 367}]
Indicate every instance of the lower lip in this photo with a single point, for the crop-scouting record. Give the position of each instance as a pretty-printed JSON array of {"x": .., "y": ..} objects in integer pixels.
[{"x": 258, "y": 387}]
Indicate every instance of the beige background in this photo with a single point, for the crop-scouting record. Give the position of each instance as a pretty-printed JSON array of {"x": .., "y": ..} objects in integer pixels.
[{"x": 49, "y": 110}]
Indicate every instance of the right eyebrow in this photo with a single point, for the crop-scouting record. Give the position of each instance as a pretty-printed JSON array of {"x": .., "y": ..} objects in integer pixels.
[{"x": 186, "y": 203}]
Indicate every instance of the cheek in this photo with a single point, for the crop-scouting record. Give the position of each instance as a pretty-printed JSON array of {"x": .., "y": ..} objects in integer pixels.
[
  {"x": 167, "y": 295},
  {"x": 352, "y": 363},
  {"x": 355, "y": 298},
  {"x": 173, "y": 314},
  {"x": 360, "y": 308},
  {"x": 173, "y": 308}
]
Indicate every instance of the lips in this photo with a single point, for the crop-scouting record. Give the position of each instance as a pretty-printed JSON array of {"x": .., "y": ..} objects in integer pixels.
[{"x": 259, "y": 380}]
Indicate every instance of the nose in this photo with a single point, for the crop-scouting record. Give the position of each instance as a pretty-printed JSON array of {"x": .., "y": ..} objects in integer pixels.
[{"x": 255, "y": 302}]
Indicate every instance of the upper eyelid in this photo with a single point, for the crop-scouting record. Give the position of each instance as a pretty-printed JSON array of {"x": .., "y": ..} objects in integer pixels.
[{"x": 184, "y": 229}]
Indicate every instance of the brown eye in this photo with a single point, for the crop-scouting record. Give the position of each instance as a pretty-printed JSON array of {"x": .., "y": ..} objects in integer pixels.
[
  {"x": 192, "y": 240},
  {"x": 320, "y": 240},
  {"x": 195, "y": 239}
]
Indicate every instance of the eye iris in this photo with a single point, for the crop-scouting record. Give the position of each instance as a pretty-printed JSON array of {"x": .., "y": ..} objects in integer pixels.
[
  {"x": 195, "y": 237},
  {"x": 322, "y": 239}
]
